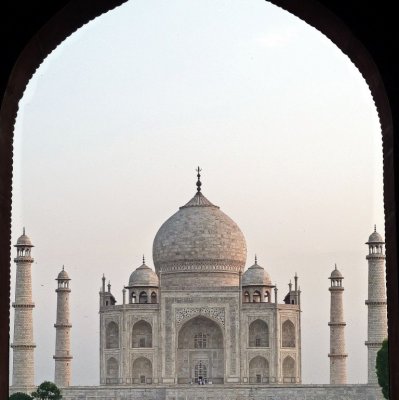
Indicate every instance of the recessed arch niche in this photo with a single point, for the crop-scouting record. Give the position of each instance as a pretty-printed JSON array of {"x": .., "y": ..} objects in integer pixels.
[{"x": 200, "y": 346}]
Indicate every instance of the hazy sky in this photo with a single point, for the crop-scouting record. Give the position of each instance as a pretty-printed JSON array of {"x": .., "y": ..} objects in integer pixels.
[{"x": 117, "y": 118}]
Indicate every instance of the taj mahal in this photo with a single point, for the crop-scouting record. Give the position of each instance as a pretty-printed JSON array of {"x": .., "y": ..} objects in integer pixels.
[{"x": 199, "y": 326}]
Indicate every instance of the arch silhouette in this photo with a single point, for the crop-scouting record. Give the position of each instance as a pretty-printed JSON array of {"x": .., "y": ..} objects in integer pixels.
[
  {"x": 289, "y": 370},
  {"x": 288, "y": 336},
  {"x": 112, "y": 368},
  {"x": 142, "y": 370},
  {"x": 195, "y": 339},
  {"x": 258, "y": 334},
  {"x": 259, "y": 370},
  {"x": 112, "y": 336},
  {"x": 200, "y": 325},
  {"x": 39, "y": 32},
  {"x": 142, "y": 334}
]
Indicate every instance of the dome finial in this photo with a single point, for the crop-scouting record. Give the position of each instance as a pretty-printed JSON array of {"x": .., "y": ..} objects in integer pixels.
[
  {"x": 198, "y": 181},
  {"x": 336, "y": 266},
  {"x": 143, "y": 259},
  {"x": 63, "y": 268},
  {"x": 375, "y": 228},
  {"x": 23, "y": 231},
  {"x": 256, "y": 260}
]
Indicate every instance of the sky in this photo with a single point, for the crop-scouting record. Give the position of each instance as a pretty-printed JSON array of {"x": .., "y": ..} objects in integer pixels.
[{"x": 115, "y": 120}]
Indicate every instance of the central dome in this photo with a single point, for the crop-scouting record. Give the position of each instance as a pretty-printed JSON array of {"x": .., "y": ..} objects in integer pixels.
[{"x": 200, "y": 239}]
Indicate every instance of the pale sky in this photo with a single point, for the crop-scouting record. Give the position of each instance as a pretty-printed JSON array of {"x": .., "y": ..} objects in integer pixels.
[{"x": 117, "y": 118}]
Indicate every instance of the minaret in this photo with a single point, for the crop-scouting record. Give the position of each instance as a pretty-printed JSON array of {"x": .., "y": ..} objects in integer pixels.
[
  {"x": 337, "y": 325},
  {"x": 63, "y": 357},
  {"x": 23, "y": 373},
  {"x": 376, "y": 302}
]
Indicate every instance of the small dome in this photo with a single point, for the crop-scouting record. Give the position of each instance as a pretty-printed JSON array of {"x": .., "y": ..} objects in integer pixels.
[
  {"x": 336, "y": 273},
  {"x": 24, "y": 240},
  {"x": 256, "y": 276},
  {"x": 63, "y": 275},
  {"x": 375, "y": 237},
  {"x": 143, "y": 276}
]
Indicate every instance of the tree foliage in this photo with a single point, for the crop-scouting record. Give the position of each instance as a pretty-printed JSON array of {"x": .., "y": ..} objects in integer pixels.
[
  {"x": 383, "y": 368},
  {"x": 47, "y": 391},
  {"x": 20, "y": 396}
]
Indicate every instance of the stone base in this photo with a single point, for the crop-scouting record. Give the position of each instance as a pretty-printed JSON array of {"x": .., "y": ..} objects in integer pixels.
[
  {"x": 224, "y": 392},
  {"x": 25, "y": 389}
]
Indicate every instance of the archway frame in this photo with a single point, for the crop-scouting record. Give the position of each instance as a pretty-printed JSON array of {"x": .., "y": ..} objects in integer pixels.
[
  {"x": 219, "y": 326},
  {"x": 64, "y": 17}
]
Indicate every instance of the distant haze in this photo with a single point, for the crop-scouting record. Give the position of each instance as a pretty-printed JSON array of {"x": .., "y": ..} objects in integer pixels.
[{"x": 115, "y": 121}]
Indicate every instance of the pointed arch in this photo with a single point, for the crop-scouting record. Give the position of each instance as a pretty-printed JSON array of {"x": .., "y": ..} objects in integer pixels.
[
  {"x": 258, "y": 334},
  {"x": 200, "y": 348},
  {"x": 142, "y": 371},
  {"x": 289, "y": 370},
  {"x": 112, "y": 368},
  {"x": 256, "y": 296},
  {"x": 142, "y": 334},
  {"x": 288, "y": 334},
  {"x": 112, "y": 336},
  {"x": 246, "y": 297},
  {"x": 259, "y": 370},
  {"x": 143, "y": 298},
  {"x": 154, "y": 298}
]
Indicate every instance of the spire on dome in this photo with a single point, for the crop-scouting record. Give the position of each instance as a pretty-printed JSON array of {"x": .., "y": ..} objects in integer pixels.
[
  {"x": 198, "y": 180},
  {"x": 256, "y": 260},
  {"x": 23, "y": 231},
  {"x": 143, "y": 259},
  {"x": 375, "y": 228}
]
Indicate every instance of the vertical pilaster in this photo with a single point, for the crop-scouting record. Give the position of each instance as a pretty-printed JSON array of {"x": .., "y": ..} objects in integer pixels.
[
  {"x": 376, "y": 302},
  {"x": 23, "y": 374},
  {"x": 63, "y": 357},
  {"x": 337, "y": 355}
]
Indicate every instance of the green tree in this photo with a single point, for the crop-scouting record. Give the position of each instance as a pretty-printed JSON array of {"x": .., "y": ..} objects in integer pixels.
[
  {"x": 20, "y": 396},
  {"x": 383, "y": 368},
  {"x": 47, "y": 391}
]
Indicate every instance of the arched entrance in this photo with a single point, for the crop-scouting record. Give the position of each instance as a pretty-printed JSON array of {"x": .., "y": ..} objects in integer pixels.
[
  {"x": 335, "y": 21},
  {"x": 142, "y": 371},
  {"x": 200, "y": 352},
  {"x": 259, "y": 370}
]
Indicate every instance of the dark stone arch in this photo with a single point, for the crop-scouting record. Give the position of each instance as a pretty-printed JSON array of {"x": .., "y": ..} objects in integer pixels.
[
  {"x": 258, "y": 334},
  {"x": 288, "y": 336},
  {"x": 195, "y": 339},
  {"x": 112, "y": 335},
  {"x": 112, "y": 369},
  {"x": 374, "y": 24},
  {"x": 289, "y": 372},
  {"x": 142, "y": 371},
  {"x": 142, "y": 334},
  {"x": 259, "y": 370},
  {"x": 143, "y": 297}
]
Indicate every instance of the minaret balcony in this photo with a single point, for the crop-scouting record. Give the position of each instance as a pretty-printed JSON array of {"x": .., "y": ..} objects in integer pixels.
[
  {"x": 375, "y": 302},
  {"x": 62, "y": 325},
  {"x": 375, "y": 256},
  {"x": 62, "y": 358},
  {"x": 372, "y": 343},
  {"x": 63, "y": 289},
  {"x": 23, "y": 259},
  {"x": 23, "y": 345},
  {"x": 337, "y": 324},
  {"x": 31, "y": 304}
]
